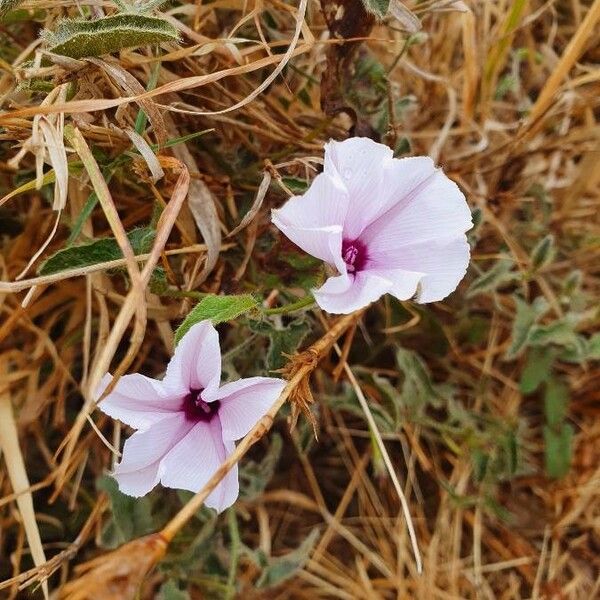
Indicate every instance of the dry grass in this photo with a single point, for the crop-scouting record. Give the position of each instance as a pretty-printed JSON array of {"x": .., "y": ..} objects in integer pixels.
[{"x": 523, "y": 536}]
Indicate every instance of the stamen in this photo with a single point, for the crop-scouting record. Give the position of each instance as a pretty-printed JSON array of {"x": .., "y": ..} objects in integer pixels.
[
  {"x": 196, "y": 409},
  {"x": 354, "y": 254}
]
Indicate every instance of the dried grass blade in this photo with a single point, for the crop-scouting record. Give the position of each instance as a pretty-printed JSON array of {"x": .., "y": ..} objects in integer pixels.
[
  {"x": 15, "y": 465},
  {"x": 58, "y": 159},
  {"x": 132, "y": 87},
  {"x": 134, "y": 303},
  {"x": 404, "y": 16},
  {"x": 131, "y": 304},
  {"x": 204, "y": 210},
  {"x": 567, "y": 60},
  {"x": 258, "y": 200},
  {"x": 386, "y": 459},
  {"x": 178, "y": 85},
  {"x": 147, "y": 154}
]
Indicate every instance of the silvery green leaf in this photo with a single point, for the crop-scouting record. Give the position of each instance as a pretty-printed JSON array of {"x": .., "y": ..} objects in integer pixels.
[
  {"x": 558, "y": 446},
  {"x": 79, "y": 38},
  {"x": 526, "y": 317},
  {"x": 498, "y": 275},
  {"x": 543, "y": 253},
  {"x": 283, "y": 567}
]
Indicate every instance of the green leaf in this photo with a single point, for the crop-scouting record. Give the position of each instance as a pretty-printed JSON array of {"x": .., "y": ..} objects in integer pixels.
[
  {"x": 131, "y": 517},
  {"x": 216, "y": 309},
  {"x": 95, "y": 252},
  {"x": 498, "y": 275},
  {"x": 556, "y": 403},
  {"x": 295, "y": 184},
  {"x": 480, "y": 462},
  {"x": 284, "y": 567},
  {"x": 593, "y": 347},
  {"x": 78, "y": 38},
  {"x": 543, "y": 253},
  {"x": 557, "y": 450},
  {"x": 572, "y": 283},
  {"x": 526, "y": 317},
  {"x": 255, "y": 476},
  {"x": 282, "y": 341},
  {"x": 560, "y": 332},
  {"x": 169, "y": 590},
  {"x": 537, "y": 369},
  {"x": 379, "y": 8},
  {"x": 417, "y": 389}
]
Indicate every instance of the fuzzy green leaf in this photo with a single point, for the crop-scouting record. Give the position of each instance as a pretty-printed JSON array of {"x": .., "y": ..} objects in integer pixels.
[
  {"x": 169, "y": 590},
  {"x": 282, "y": 341},
  {"x": 498, "y": 275},
  {"x": 537, "y": 369},
  {"x": 557, "y": 450},
  {"x": 556, "y": 403},
  {"x": 526, "y": 317},
  {"x": 418, "y": 389},
  {"x": 543, "y": 253},
  {"x": 255, "y": 476},
  {"x": 95, "y": 252},
  {"x": 131, "y": 517},
  {"x": 560, "y": 332},
  {"x": 216, "y": 309},
  {"x": 78, "y": 38},
  {"x": 593, "y": 347},
  {"x": 379, "y": 8},
  {"x": 286, "y": 566}
]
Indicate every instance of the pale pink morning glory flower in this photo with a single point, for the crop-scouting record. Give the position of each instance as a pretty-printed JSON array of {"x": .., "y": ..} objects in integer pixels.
[
  {"x": 387, "y": 225},
  {"x": 186, "y": 424}
]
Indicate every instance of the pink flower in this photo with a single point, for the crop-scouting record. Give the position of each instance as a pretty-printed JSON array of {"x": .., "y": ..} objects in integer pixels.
[
  {"x": 186, "y": 423},
  {"x": 387, "y": 225}
]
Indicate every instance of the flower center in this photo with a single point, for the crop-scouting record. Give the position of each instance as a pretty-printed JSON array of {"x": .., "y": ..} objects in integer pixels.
[
  {"x": 196, "y": 409},
  {"x": 354, "y": 254}
]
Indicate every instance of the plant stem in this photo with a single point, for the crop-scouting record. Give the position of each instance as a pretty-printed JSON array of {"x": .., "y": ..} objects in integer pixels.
[{"x": 288, "y": 308}]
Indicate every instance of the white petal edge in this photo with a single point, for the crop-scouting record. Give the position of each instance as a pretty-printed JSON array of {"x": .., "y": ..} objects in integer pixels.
[
  {"x": 245, "y": 402},
  {"x": 346, "y": 293}
]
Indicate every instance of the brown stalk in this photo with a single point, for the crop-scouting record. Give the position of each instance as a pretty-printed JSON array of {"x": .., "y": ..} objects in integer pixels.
[{"x": 102, "y": 363}]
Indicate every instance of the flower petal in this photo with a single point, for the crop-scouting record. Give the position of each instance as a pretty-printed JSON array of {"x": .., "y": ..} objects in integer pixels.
[
  {"x": 444, "y": 263},
  {"x": 435, "y": 208},
  {"x": 314, "y": 221},
  {"x": 405, "y": 283},
  {"x": 360, "y": 164},
  {"x": 244, "y": 402},
  {"x": 227, "y": 492},
  {"x": 137, "y": 401},
  {"x": 141, "y": 465},
  {"x": 196, "y": 364},
  {"x": 194, "y": 460},
  {"x": 347, "y": 293}
]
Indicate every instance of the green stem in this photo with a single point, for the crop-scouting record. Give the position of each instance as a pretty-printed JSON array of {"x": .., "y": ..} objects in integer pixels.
[
  {"x": 142, "y": 117},
  {"x": 288, "y": 308}
]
